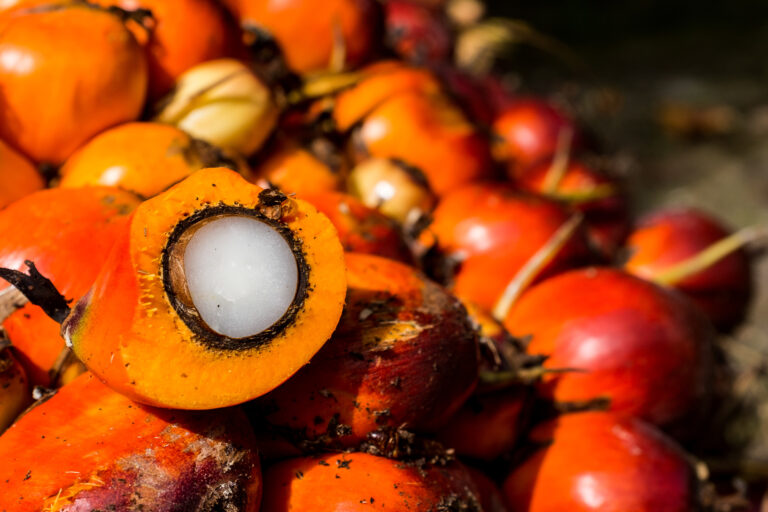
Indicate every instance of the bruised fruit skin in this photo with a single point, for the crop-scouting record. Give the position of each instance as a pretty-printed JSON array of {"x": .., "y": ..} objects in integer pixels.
[
  {"x": 306, "y": 34},
  {"x": 90, "y": 448},
  {"x": 359, "y": 482},
  {"x": 171, "y": 47},
  {"x": 430, "y": 133},
  {"x": 141, "y": 319},
  {"x": 597, "y": 195},
  {"x": 667, "y": 237},
  {"x": 68, "y": 234},
  {"x": 642, "y": 347},
  {"x": 528, "y": 131},
  {"x": 598, "y": 461},
  {"x": 104, "y": 84},
  {"x": 361, "y": 229},
  {"x": 493, "y": 230},
  {"x": 15, "y": 393},
  {"x": 404, "y": 353},
  {"x": 488, "y": 425},
  {"x": 144, "y": 158}
]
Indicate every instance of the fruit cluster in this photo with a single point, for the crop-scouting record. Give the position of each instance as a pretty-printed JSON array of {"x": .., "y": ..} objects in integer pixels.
[{"x": 297, "y": 255}]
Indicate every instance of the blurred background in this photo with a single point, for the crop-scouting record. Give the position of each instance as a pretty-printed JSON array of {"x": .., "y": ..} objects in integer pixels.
[{"x": 677, "y": 92}]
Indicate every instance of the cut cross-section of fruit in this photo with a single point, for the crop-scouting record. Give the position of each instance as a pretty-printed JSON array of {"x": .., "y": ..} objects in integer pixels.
[{"x": 217, "y": 292}]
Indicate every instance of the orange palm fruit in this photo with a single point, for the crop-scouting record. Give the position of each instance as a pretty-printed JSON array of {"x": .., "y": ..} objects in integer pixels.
[
  {"x": 404, "y": 353},
  {"x": 15, "y": 392},
  {"x": 310, "y": 36},
  {"x": 171, "y": 47},
  {"x": 361, "y": 229},
  {"x": 428, "y": 132},
  {"x": 68, "y": 234},
  {"x": 18, "y": 177},
  {"x": 216, "y": 292},
  {"x": 298, "y": 169},
  {"x": 355, "y": 482},
  {"x": 89, "y": 448},
  {"x": 85, "y": 54},
  {"x": 378, "y": 83},
  {"x": 144, "y": 158}
]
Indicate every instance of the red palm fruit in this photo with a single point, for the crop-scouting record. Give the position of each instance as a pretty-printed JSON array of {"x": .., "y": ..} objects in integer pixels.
[
  {"x": 15, "y": 393},
  {"x": 429, "y": 132},
  {"x": 90, "y": 448},
  {"x": 530, "y": 130},
  {"x": 378, "y": 83},
  {"x": 361, "y": 229},
  {"x": 171, "y": 47},
  {"x": 597, "y": 195},
  {"x": 302, "y": 170},
  {"x": 68, "y": 235},
  {"x": 476, "y": 95},
  {"x": 144, "y": 158},
  {"x": 641, "y": 346},
  {"x": 416, "y": 33},
  {"x": 404, "y": 353},
  {"x": 359, "y": 482},
  {"x": 493, "y": 231},
  {"x": 309, "y": 36},
  {"x": 104, "y": 84},
  {"x": 599, "y": 461},
  {"x": 667, "y": 237},
  {"x": 18, "y": 177},
  {"x": 488, "y": 492},
  {"x": 488, "y": 425}
]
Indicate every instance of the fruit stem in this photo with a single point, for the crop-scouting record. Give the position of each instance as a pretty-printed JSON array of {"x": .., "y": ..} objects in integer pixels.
[
  {"x": 39, "y": 290},
  {"x": 534, "y": 265},
  {"x": 559, "y": 166},
  {"x": 710, "y": 255}
]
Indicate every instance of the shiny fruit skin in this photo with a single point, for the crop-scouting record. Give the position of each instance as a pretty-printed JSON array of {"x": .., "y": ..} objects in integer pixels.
[
  {"x": 86, "y": 55},
  {"x": 429, "y": 132},
  {"x": 305, "y": 32},
  {"x": 355, "y": 482},
  {"x": 528, "y": 130},
  {"x": 493, "y": 230},
  {"x": 666, "y": 237},
  {"x": 599, "y": 462},
  {"x": 171, "y": 47},
  {"x": 641, "y": 346},
  {"x": 143, "y": 158}
]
